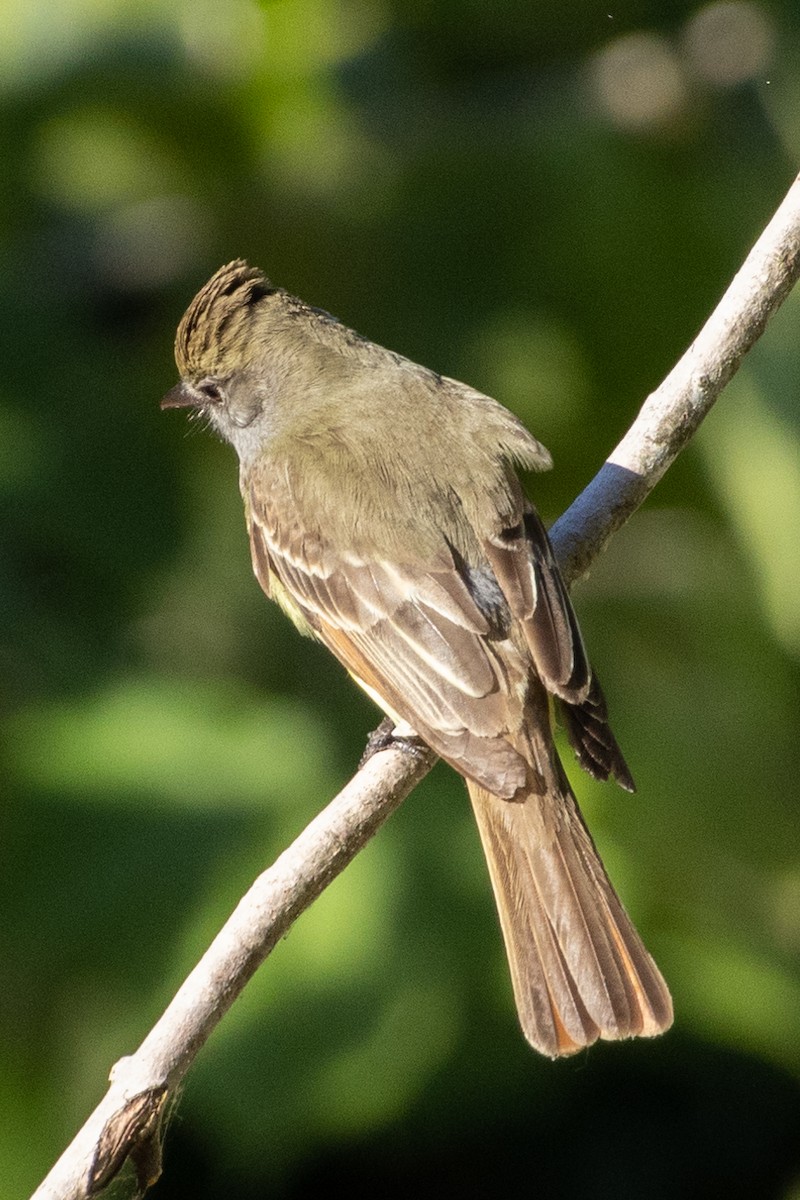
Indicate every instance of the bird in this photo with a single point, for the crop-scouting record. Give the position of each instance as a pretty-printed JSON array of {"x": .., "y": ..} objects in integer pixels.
[{"x": 386, "y": 517}]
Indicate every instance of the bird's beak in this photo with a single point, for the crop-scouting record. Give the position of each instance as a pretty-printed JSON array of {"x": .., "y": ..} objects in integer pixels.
[{"x": 181, "y": 396}]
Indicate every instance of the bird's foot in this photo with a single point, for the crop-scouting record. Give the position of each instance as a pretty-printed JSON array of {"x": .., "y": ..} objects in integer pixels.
[{"x": 390, "y": 734}]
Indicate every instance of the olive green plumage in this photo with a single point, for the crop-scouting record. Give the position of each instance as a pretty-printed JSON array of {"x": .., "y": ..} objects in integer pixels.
[{"x": 386, "y": 517}]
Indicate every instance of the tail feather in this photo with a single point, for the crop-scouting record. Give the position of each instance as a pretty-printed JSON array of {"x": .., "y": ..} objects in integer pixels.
[{"x": 579, "y": 969}]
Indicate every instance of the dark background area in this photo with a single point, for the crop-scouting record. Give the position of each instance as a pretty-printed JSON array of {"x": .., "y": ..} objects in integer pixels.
[{"x": 545, "y": 200}]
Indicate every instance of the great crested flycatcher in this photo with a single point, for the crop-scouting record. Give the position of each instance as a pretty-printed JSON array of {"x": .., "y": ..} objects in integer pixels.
[{"x": 386, "y": 518}]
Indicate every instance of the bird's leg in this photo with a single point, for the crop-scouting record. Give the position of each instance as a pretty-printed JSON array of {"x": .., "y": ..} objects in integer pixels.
[{"x": 391, "y": 733}]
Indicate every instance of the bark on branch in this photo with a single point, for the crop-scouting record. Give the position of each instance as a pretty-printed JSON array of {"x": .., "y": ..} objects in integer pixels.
[{"x": 126, "y": 1122}]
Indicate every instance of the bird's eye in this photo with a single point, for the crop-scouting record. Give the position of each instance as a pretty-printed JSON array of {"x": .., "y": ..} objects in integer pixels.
[{"x": 210, "y": 390}]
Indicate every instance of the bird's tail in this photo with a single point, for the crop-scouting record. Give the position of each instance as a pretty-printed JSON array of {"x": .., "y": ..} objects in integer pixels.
[{"x": 579, "y": 968}]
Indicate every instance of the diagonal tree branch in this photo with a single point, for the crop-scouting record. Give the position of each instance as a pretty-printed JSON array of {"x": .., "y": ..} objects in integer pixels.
[
  {"x": 673, "y": 412},
  {"x": 126, "y": 1122}
]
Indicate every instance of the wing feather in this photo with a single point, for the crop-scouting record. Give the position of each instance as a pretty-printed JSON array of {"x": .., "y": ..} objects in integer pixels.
[
  {"x": 522, "y": 560},
  {"x": 416, "y": 641}
]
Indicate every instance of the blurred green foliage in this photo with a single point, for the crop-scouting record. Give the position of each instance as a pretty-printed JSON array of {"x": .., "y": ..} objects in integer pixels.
[{"x": 545, "y": 200}]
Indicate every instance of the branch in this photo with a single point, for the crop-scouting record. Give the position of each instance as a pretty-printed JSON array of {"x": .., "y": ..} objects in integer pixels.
[
  {"x": 126, "y": 1122},
  {"x": 140, "y": 1084},
  {"x": 673, "y": 412}
]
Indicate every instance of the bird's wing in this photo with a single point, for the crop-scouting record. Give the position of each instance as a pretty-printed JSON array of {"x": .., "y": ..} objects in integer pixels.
[
  {"x": 521, "y": 558},
  {"x": 430, "y": 641},
  {"x": 418, "y": 640}
]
